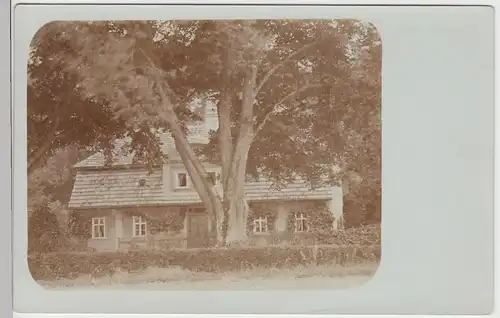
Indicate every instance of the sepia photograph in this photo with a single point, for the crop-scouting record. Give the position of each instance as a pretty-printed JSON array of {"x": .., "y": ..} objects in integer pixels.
[{"x": 204, "y": 154}]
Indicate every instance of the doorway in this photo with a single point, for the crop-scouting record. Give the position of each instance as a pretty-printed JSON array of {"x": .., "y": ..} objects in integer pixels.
[{"x": 197, "y": 229}]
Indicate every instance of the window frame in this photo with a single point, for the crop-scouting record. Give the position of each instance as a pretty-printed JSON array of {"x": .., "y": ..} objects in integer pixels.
[
  {"x": 177, "y": 183},
  {"x": 138, "y": 220},
  {"x": 101, "y": 222},
  {"x": 303, "y": 219},
  {"x": 260, "y": 223}
]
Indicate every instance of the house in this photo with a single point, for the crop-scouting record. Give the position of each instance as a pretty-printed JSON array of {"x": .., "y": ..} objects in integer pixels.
[{"x": 126, "y": 206}]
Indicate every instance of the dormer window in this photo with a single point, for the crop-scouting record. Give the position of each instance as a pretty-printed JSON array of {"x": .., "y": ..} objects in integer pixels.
[
  {"x": 142, "y": 182},
  {"x": 181, "y": 181}
]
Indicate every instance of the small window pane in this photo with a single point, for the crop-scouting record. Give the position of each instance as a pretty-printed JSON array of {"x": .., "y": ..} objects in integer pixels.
[
  {"x": 260, "y": 225},
  {"x": 182, "y": 180},
  {"x": 139, "y": 226},
  {"x": 98, "y": 227},
  {"x": 300, "y": 222},
  {"x": 101, "y": 231}
]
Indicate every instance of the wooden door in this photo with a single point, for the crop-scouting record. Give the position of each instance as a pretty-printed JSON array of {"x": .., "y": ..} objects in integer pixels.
[{"x": 197, "y": 230}]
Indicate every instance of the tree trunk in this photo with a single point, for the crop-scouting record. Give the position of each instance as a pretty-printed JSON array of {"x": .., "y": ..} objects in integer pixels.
[
  {"x": 236, "y": 202},
  {"x": 226, "y": 152},
  {"x": 237, "y": 222},
  {"x": 199, "y": 176}
]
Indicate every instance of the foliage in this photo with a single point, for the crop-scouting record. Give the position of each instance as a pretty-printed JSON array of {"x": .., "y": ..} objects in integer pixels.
[
  {"x": 44, "y": 233},
  {"x": 70, "y": 265},
  {"x": 362, "y": 208},
  {"x": 61, "y": 114},
  {"x": 169, "y": 222},
  {"x": 79, "y": 225},
  {"x": 50, "y": 185},
  {"x": 53, "y": 180},
  {"x": 261, "y": 209},
  {"x": 160, "y": 222},
  {"x": 57, "y": 115},
  {"x": 319, "y": 220},
  {"x": 362, "y": 235}
]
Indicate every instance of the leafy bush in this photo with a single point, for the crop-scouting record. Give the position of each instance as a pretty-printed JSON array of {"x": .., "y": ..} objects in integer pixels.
[
  {"x": 319, "y": 222},
  {"x": 362, "y": 235},
  {"x": 72, "y": 265},
  {"x": 44, "y": 233}
]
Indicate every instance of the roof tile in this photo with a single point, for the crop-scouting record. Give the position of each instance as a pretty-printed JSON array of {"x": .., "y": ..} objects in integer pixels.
[{"x": 120, "y": 187}]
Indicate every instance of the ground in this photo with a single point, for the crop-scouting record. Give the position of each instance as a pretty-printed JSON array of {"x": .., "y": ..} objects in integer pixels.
[{"x": 317, "y": 277}]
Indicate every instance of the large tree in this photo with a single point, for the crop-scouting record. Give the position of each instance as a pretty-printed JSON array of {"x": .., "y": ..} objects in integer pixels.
[
  {"x": 57, "y": 116},
  {"x": 60, "y": 114},
  {"x": 361, "y": 156},
  {"x": 286, "y": 92}
]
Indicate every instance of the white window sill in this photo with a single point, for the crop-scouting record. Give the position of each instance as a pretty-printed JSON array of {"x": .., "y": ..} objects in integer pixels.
[{"x": 100, "y": 238}]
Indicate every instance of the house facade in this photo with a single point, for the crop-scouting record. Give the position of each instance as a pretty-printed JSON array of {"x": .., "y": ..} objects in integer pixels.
[{"x": 126, "y": 206}]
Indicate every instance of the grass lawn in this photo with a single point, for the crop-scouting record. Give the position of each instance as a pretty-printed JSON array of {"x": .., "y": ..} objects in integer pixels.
[{"x": 306, "y": 277}]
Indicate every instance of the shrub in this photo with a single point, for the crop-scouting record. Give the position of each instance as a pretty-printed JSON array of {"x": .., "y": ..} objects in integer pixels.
[
  {"x": 44, "y": 233},
  {"x": 362, "y": 235},
  {"x": 71, "y": 265}
]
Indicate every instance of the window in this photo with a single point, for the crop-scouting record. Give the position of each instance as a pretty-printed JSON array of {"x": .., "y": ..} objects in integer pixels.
[
  {"x": 300, "y": 222},
  {"x": 139, "y": 226},
  {"x": 142, "y": 182},
  {"x": 181, "y": 180},
  {"x": 260, "y": 225},
  {"x": 99, "y": 227}
]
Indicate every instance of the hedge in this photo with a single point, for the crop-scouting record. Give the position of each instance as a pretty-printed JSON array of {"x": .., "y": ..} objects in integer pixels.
[
  {"x": 361, "y": 235},
  {"x": 71, "y": 265}
]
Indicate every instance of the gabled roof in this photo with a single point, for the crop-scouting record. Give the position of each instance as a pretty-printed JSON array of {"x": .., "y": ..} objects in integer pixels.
[
  {"x": 122, "y": 188},
  {"x": 118, "y": 187}
]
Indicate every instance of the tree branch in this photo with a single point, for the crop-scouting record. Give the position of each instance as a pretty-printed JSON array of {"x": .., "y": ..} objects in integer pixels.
[
  {"x": 248, "y": 96},
  {"x": 160, "y": 83},
  {"x": 187, "y": 154},
  {"x": 279, "y": 65},
  {"x": 275, "y": 107},
  {"x": 224, "y": 115}
]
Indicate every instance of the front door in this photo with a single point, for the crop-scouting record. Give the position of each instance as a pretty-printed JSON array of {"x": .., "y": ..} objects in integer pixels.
[{"x": 197, "y": 230}]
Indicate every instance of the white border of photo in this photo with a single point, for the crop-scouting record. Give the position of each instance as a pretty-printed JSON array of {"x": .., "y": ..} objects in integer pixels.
[{"x": 437, "y": 167}]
